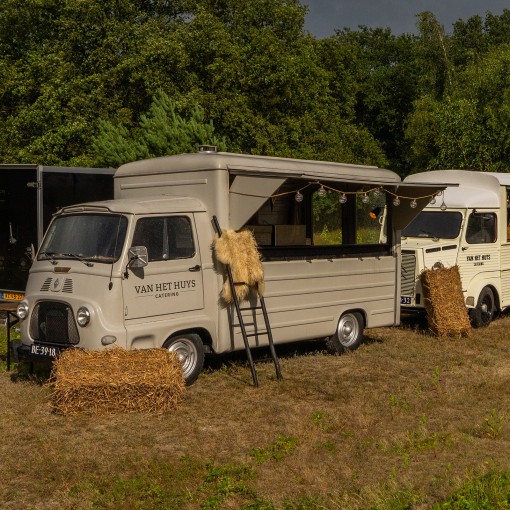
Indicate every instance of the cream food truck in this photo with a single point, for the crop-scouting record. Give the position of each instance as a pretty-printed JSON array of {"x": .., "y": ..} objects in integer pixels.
[
  {"x": 466, "y": 226},
  {"x": 139, "y": 271}
]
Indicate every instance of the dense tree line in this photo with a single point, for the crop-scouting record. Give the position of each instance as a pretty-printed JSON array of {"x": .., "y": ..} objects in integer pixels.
[{"x": 106, "y": 81}]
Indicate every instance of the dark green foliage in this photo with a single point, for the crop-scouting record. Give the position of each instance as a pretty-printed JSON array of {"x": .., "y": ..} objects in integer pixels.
[
  {"x": 102, "y": 82},
  {"x": 160, "y": 132}
]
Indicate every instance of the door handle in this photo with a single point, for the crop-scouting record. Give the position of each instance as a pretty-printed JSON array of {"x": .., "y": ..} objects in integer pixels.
[{"x": 194, "y": 269}]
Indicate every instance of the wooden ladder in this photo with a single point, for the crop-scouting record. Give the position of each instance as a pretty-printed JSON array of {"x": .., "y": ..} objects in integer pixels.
[{"x": 241, "y": 321}]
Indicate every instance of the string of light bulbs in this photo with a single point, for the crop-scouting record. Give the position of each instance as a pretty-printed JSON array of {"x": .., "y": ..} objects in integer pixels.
[{"x": 376, "y": 192}]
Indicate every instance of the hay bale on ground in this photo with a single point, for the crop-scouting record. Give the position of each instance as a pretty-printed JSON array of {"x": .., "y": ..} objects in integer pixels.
[
  {"x": 444, "y": 302},
  {"x": 116, "y": 381}
]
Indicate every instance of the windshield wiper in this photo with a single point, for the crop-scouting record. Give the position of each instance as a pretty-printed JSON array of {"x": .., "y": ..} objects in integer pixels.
[
  {"x": 430, "y": 234},
  {"x": 50, "y": 255},
  {"x": 77, "y": 257}
]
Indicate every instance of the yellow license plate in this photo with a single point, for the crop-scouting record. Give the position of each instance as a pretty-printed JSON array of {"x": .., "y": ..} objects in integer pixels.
[{"x": 11, "y": 296}]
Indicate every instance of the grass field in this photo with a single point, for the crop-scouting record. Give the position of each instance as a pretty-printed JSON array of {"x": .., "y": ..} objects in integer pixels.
[{"x": 408, "y": 421}]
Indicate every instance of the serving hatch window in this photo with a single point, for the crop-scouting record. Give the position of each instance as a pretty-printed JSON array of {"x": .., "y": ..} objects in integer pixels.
[
  {"x": 321, "y": 220},
  {"x": 354, "y": 218}
]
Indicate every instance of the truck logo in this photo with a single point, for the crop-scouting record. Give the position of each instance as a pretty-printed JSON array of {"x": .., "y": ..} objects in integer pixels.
[
  {"x": 165, "y": 289},
  {"x": 478, "y": 259},
  {"x": 56, "y": 286}
]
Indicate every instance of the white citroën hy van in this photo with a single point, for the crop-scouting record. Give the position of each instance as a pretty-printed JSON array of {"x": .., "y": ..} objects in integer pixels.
[
  {"x": 88, "y": 288},
  {"x": 467, "y": 226}
]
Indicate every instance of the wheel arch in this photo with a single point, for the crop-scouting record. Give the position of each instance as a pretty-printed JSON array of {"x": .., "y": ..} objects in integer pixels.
[
  {"x": 495, "y": 293},
  {"x": 203, "y": 333},
  {"x": 361, "y": 311},
  {"x": 477, "y": 286}
]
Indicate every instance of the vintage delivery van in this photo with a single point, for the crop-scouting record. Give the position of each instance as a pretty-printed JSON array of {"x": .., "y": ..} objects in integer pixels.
[
  {"x": 468, "y": 226},
  {"x": 139, "y": 271}
]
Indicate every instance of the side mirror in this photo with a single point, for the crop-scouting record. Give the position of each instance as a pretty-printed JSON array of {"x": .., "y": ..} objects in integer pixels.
[
  {"x": 30, "y": 253},
  {"x": 138, "y": 257}
]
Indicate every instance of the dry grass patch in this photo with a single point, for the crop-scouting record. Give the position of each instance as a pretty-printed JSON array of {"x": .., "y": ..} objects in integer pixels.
[{"x": 405, "y": 420}]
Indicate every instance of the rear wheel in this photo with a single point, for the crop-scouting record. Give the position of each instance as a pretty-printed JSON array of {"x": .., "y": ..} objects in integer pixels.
[
  {"x": 190, "y": 350},
  {"x": 349, "y": 333},
  {"x": 482, "y": 315}
]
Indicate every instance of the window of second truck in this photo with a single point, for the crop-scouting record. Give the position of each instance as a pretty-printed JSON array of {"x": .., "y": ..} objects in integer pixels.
[
  {"x": 435, "y": 225},
  {"x": 481, "y": 228},
  {"x": 166, "y": 238}
]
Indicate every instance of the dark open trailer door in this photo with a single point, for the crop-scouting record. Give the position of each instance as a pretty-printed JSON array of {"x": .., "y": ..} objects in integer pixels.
[
  {"x": 29, "y": 195},
  {"x": 67, "y": 186},
  {"x": 18, "y": 227}
]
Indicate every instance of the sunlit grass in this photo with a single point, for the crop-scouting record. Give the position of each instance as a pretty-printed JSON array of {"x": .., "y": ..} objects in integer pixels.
[
  {"x": 334, "y": 237},
  {"x": 408, "y": 421}
]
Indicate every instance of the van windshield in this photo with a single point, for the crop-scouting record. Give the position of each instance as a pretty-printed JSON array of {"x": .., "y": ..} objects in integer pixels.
[
  {"x": 85, "y": 237},
  {"x": 435, "y": 225}
]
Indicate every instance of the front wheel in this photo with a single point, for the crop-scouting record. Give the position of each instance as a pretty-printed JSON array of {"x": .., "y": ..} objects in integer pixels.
[
  {"x": 190, "y": 350},
  {"x": 482, "y": 315},
  {"x": 349, "y": 333}
]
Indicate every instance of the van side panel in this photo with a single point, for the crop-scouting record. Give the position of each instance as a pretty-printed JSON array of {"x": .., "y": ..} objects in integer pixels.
[
  {"x": 505, "y": 275},
  {"x": 306, "y": 298}
]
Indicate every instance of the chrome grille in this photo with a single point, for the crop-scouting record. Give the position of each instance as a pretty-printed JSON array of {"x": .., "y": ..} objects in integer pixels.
[
  {"x": 408, "y": 273},
  {"x": 53, "y": 322}
]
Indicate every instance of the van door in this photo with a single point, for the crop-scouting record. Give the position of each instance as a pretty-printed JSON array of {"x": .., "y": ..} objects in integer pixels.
[
  {"x": 480, "y": 248},
  {"x": 172, "y": 280}
]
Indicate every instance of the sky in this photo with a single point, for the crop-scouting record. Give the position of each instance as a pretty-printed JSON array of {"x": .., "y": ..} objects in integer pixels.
[{"x": 324, "y": 16}]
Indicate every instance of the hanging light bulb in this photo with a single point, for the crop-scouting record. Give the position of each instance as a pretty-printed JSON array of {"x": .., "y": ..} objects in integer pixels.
[
  {"x": 396, "y": 201},
  {"x": 413, "y": 204},
  {"x": 377, "y": 192},
  {"x": 298, "y": 197},
  {"x": 433, "y": 200},
  {"x": 342, "y": 198},
  {"x": 322, "y": 191},
  {"x": 443, "y": 206},
  {"x": 365, "y": 198}
]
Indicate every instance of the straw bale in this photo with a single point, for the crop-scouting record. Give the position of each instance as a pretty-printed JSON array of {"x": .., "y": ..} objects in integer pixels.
[
  {"x": 240, "y": 251},
  {"x": 116, "y": 381},
  {"x": 444, "y": 302}
]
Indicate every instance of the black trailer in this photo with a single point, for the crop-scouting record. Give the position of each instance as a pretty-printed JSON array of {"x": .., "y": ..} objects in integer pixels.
[{"x": 29, "y": 195}]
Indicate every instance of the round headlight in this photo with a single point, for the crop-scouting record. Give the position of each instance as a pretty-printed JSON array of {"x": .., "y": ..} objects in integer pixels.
[
  {"x": 82, "y": 316},
  {"x": 22, "y": 310}
]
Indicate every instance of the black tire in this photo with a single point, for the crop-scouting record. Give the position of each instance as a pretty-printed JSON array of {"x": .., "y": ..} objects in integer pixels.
[
  {"x": 482, "y": 315},
  {"x": 349, "y": 333},
  {"x": 190, "y": 349}
]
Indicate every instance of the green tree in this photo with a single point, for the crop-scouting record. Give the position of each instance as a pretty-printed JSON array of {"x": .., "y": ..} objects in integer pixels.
[
  {"x": 468, "y": 129},
  {"x": 162, "y": 131},
  {"x": 383, "y": 74},
  {"x": 80, "y": 62}
]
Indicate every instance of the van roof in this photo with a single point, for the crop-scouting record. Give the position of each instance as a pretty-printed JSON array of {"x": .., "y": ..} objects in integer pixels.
[
  {"x": 259, "y": 165},
  {"x": 149, "y": 205},
  {"x": 475, "y": 189}
]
